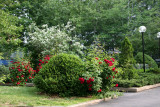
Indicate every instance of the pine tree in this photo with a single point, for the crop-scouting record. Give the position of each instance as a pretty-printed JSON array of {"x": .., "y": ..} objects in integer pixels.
[{"x": 126, "y": 55}]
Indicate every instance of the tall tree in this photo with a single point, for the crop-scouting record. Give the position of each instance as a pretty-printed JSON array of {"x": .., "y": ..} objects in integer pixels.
[{"x": 9, "y": 31}]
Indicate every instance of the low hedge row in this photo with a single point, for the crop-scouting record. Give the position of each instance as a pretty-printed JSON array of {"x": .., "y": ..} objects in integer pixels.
[{"x": 144, "y": 79}]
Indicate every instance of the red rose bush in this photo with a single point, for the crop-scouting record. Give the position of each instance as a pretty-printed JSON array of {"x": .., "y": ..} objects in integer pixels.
[
  {"x": 21, "y": 72},
  {"x": 99, "y": 75}
]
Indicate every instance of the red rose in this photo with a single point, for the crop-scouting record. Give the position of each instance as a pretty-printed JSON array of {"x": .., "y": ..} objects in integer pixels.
[
  {"x": 88, "y": 81},
  {"x": 106, "y": 61},
  {"x": 22, "y": 75},
  {"x": 112, "y": 59},
  {"x": 96, "y": 58},
  {"x": 30, "y": 77},
  {"x": 12, "y": 67},
  {"x": 90, "y": 85},
  {"x": 25, "y": 67},
  {"x": 116, "y": 72},
  {"x": 18, "y": 83},
  {"x": 17, "y": 76},
  {"x": 99, "y": 90},
  {"x": 43, "y": 62},
  {"x": 110, "y": 63},
  {"x": 40, "y": 60},
  {"x": 113, "y": 69},
  {"x": 48, "y": 58},
  {"x": 40, "y": 67},
  {"x": 19, "y": 70},
  {"x": 116, "y": 85},
  {"x": 113, "y": 76},
  {"x": 26, "y": 79},
  {"x": 39, "y": 64},
  {"x": 90, "y": 89},
  {"x": 100, "y": 62},
  {"x": 106, "y": 77},
  {"x": 46, "y": 61},
  {"x": 81, "y": 80},
  {"x": 29, "y": 70}
]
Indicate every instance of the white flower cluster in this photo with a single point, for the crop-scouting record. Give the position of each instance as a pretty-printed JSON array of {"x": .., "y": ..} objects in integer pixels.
[{"x": 53, "y": 39}]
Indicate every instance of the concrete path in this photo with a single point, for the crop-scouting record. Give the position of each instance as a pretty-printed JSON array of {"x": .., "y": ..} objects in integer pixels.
[{"x": 147, "y": 98}]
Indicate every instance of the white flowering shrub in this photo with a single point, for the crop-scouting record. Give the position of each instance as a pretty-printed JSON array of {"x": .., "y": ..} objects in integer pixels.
[{"x": 53, "y": 40}]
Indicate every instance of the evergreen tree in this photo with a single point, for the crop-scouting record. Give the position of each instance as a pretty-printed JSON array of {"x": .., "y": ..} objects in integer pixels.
[{"x": 126, "y": 55}]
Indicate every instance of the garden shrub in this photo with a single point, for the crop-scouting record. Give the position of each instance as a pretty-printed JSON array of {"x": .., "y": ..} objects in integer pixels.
[
  {"x": 128, "y": 74},
  {"x": 154, "y": 70},
  {"x": 60, "y": 75},
  {"x": 21, "y": 72},
  {"x": 42, "y": 62},
  {"x": 143, "y": 79},
  {"x": 100, "y": 70},
  {"x": 4, "y": 73},
  {"x": 127, "y": 83},
  {"x": 126, "y": 56},
  {"x": 148, "y": 60},
  {"x": 99, "y": 75}
]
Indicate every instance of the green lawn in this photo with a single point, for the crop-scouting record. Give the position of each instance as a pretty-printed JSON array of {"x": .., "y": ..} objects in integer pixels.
[{"x": 28, "y": 96}]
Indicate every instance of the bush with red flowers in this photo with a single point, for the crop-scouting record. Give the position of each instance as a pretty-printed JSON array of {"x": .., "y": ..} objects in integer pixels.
[
  {"x": 21, "y": 72},
  {"x": 99, "y": 75},
  {"x": 42, "y": 62}
]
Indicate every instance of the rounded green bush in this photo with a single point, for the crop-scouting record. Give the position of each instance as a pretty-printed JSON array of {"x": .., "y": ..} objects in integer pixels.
[
  {"x": 61, "y": 75},
  {"x": 148, "y": 60}
]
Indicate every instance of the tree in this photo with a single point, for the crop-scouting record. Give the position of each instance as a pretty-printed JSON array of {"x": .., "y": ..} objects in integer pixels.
[
  {"x": 126, "y": 56},
  {"x": 9, "y": 31}
]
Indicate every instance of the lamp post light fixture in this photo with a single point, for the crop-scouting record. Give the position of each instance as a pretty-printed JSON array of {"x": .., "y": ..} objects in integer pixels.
[
  {"x": 158, "y": 36},
  {"x": 142, "y": 29}
]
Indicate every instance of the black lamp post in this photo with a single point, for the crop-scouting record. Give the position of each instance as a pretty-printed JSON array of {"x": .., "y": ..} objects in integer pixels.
[
  {"x": 142, "y": 29},
  {"x": 158, "y": 36}
]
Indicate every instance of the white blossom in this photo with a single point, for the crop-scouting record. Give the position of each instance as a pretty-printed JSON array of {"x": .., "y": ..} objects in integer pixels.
[{"x": 53, "y": 39}]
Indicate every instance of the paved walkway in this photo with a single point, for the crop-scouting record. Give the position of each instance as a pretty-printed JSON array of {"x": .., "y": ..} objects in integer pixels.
[{"x": 148, "y": 98}]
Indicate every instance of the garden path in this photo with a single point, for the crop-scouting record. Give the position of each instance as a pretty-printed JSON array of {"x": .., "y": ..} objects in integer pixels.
[{"x": 148, "y": 98}]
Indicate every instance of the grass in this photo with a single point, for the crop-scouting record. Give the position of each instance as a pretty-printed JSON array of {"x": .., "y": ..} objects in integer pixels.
[{"x": 28, "y": 96}]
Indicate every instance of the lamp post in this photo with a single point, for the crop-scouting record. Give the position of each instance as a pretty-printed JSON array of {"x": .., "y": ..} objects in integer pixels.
[
  {"x": 142, "y": 29},
  {"x": 158, "y": 36}
]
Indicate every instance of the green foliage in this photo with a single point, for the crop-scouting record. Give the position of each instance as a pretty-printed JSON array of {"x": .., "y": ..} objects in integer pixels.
[
  {"x": 127, "y": 83},
  {"x": 9, "y": 31},
  {"x": 128, "y": 74},
  {"x": 52, "y": 40},
  {"x": 100, "y": 68},
  {"x": 142, "y": 80},
  {"x": 60, "y": 75},
  {"x": 21, "y": 72},
  {"x": 99, "y": 75},
  {"x": 148, "y": 60},
  {"x": 95, "y": 50},
  {"x": 92, "y": 70},
  {"x": 154, "y": 70},
  {"x": 126, "y": 55},
  {"x": 89, "y": 17},
  {"x": 4, "y": 73}
]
